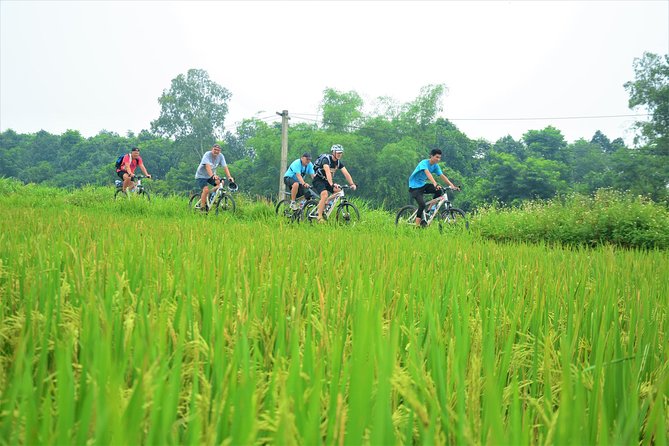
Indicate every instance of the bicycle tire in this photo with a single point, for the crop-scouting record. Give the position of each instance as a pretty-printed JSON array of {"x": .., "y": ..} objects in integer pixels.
[
  {"x": 453, "y": 219},
  {"x": 145, "y": 193},
  {"x": 284, "y": 211},
  {"x": 406, "y": 216},
  {"x": 347, "y": 214},
  {"x": 121, "y": 193},
  {"x": 225, "y": 204},
  {"x": 194, "y": 201}
]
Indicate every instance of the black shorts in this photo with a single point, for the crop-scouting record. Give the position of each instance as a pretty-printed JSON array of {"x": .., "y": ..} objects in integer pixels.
[
  {"x": 288, "y": 181},
  {"x": 321, "y": 184},
  {"x": 120, "y": 174}
]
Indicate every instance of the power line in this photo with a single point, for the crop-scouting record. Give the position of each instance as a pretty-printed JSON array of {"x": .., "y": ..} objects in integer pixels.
[{"x": 546, "y": 118}]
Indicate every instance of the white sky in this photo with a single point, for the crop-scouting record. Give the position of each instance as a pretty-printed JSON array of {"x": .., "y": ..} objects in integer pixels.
[{"x": 102, "y": 65}]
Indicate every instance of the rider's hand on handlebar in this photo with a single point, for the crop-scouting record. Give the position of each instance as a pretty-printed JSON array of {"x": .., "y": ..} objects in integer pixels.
[
  {"x": 148, "y": 175},
  {"x": 336, "y": 187},
  {"x": 353, "y": 186}
]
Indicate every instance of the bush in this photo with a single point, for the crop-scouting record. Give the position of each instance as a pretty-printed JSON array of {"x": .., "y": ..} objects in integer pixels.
[{"x": 607, "y": 217}]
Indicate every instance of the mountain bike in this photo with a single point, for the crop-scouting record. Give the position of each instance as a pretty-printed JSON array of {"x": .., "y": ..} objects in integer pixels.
[
  {"x": 139, "y": 189},
  {"x": 346, "y": 212},
  {"x": 219, "y": 198},
  {"x": 439, "y": 209},
  {"x": 290, "y": 215}
]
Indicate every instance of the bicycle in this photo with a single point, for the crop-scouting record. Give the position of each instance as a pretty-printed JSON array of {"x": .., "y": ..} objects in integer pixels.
[
  {"x": 219, "y": 199},
  {"x": 139, "y": 189},
  {"x": 449, "y": 216},
  {"x": 290, "y": 215},
  {"x": 346, "y": 213}
]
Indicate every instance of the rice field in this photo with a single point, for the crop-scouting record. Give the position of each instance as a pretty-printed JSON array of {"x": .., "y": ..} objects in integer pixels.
[{"x": 118, "y": 328}]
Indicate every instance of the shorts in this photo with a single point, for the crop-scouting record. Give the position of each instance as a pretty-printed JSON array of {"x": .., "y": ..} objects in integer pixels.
[
  {"x": 202, "y": 182},
  {"x": 288, "y": 181},
  {"x": 321, "y": 184},
  {"x": 120, "y": 173}
]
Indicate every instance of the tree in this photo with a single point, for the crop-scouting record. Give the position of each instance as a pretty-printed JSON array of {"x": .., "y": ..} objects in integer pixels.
[
  {"x": 650, "y": 89},
  {"x": 341, "y": 110},
  {"x": 193, "y": 110}
]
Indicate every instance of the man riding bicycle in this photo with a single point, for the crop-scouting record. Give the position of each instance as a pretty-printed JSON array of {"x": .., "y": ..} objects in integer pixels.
[
  {"x": 294, "y": 177},
  {"x": 326, "y": 165},
  {"x": 126, "y": 171},
  {"x": 206, "y": 172},
  {"x": 418, "y": 182}
]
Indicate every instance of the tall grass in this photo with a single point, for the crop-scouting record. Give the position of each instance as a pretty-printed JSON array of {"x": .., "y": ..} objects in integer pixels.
[{"x": 139, "y": 326}]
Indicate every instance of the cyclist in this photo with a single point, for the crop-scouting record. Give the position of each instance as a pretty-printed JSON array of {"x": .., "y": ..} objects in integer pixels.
[
  {"x": 126, "y": 171},
  {"x": 294, "y": 177},
  {"x": 206, "y": 172},
  {"x": 325, "y": 166},
  {"x": 418, "y": 182}
]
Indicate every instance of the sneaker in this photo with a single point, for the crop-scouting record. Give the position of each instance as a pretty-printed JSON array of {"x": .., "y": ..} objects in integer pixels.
[{"x": 294, "y": 206}]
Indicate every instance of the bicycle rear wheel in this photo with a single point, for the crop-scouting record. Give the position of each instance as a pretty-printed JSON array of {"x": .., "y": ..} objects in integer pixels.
[
  {"x": 144, "y": 193},
  {"x": 453, "y": 219},
  {"x": 406, "y": 216},
  {"x": 347, "y": 214},
  {"x": 226, "y": 204},
  {"x": 284, "y": 211},
  {"x": 120, "y": 193},
  {"x": 194, "y": 202}
]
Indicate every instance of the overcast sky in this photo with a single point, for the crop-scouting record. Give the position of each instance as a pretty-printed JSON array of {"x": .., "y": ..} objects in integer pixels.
[{"x": 102, "y": 65}]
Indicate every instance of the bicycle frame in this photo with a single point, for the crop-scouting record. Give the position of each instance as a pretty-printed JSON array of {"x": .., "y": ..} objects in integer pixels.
[
  {"x": 441, "y": 201},
  {"x": 330, "y": 204}
]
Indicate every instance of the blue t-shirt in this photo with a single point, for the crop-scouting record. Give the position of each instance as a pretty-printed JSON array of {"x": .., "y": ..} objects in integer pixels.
[
  {"x": 418, "y": 177},
  {"x": 297, "y": 167}
]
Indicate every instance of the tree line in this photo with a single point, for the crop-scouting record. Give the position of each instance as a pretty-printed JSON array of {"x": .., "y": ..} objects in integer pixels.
[{"x": 381, "y": 148}]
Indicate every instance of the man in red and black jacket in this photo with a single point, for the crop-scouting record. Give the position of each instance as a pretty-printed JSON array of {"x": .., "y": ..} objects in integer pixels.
[{"x": 126, "y": 170}]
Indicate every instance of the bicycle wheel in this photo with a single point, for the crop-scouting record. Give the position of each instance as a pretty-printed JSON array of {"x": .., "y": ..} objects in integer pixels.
[
  {"x": 120, "y": 193},
  {"x": 309, "y": 211},
  {"x": 144, "y": 193},
  {"x": 347, "y": 214},
  {"x": 284, "y": 211},
  {"x": 406, "y": 216},
  {"x": 194, "y": 202},
  {"x": 225, "y": 204},
  {"x": 453, "y": 219}
]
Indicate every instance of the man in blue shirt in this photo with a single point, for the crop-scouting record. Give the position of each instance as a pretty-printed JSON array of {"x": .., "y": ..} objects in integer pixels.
[
  {"x": 418, "y": 181},
  {"x": 294, "y": 177}
]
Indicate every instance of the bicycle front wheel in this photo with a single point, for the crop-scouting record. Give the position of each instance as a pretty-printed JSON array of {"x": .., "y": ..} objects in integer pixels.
[
  {"x": 406, "y": 216},
  {"x": 347, "y": 214},
  {"x": 226, "y": 204},
  {"x": 453, "y": 219}
]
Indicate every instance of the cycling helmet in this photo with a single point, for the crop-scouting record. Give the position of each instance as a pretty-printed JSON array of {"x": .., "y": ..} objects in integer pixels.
[
  {"x": 232, "y": 186},
  {"x": 337, "y": 148}
]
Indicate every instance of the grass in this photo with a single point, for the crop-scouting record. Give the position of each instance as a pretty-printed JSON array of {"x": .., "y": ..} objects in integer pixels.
[{"x": 129, "y": 323}]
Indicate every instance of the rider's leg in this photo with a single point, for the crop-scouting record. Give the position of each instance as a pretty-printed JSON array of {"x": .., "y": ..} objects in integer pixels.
[
  {"x": 321, "y": 204},
  {"x": 417, "y": 195},
  {"x": 127, "y": 182},
  {"x": 293, "y": 191},
  {"x": 203, "y": 197}
]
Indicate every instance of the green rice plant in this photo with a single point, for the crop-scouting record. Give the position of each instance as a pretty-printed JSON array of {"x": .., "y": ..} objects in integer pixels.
[{"x": 143, "y": 323}]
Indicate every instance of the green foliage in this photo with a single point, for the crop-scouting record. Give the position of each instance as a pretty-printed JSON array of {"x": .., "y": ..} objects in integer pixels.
[
  {"x": 650, "y": 90},
  {"x": 341, "y": 110},
  {"x": 193, "y": 109},
  {"x": 608, "y": 217}
]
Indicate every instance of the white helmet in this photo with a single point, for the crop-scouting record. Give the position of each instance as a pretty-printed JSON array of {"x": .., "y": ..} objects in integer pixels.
[{"x": 337, "y": 148}]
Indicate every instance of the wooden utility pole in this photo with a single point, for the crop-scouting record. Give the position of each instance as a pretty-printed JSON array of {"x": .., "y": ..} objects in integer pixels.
[{"x": 284, "y": 150}]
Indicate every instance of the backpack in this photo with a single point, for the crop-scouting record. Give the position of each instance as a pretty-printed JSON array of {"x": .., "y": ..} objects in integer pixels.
[
  {"x": 119, "y": 161},
  {"x": 321, "y": 161}
]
